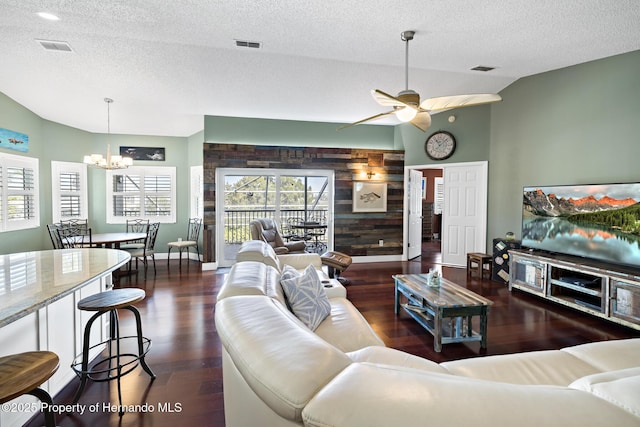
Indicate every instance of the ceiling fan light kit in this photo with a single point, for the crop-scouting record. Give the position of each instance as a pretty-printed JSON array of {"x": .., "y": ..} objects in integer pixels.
[{"x": 407, "y": 106}]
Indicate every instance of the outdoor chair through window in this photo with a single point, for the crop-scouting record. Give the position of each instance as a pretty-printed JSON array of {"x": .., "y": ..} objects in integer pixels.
[{"x": 266, "y": 229}]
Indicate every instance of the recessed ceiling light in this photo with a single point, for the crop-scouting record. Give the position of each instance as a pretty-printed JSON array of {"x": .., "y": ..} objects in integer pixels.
[{"x": 48, "y": 16}]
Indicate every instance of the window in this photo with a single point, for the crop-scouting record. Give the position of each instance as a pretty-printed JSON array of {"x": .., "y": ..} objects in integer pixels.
[
  {"x": 69, "y": 191},
  {"x": 19, "y": 193},
  {"x": 141, "y": 192}
]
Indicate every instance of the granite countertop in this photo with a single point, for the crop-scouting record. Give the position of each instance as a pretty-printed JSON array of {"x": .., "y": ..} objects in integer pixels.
[{"x": 31, "y": 280}]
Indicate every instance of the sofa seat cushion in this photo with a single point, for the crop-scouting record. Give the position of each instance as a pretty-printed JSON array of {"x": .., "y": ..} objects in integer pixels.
[
  {"x": 622, "y": 388},
  {"x": 608, "y": 355},
  {"x": 306, "y": 296},
  {"x": 381, "y": 396},
  {"x": 282, "y": 361},
  {"x": 391, "y": 356},
  {"x": 252, "y": 278},
  {"x": 346, "y": 328},
  {"x": 548, "y": 367}
]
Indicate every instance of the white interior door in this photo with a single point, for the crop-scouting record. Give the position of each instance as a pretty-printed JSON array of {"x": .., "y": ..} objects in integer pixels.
[
  {"x": 465, "y": 212},
  {"x": 415, "y": 214}
]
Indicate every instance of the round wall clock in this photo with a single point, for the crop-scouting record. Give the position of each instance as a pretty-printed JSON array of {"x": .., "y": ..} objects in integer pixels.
[{"x": 440, "y": 145}]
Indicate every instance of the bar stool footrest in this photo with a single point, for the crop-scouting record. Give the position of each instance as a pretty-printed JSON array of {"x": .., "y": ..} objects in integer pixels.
[{"x": 128, "y": 360}]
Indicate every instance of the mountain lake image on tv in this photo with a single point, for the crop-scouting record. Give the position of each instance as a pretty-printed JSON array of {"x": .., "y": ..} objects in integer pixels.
[{"x": 594, "y": 221}]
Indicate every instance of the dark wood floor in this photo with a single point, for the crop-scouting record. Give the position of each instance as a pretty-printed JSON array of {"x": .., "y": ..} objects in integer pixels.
[{"x": 178, "y": 316}]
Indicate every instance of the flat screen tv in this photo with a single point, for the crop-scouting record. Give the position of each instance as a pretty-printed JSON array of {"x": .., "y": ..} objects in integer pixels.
[{"x": 600, "y": 221}]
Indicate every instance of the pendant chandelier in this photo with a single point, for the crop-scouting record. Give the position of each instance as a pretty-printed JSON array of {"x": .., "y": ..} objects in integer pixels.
[{"x": 109, "y": 162}]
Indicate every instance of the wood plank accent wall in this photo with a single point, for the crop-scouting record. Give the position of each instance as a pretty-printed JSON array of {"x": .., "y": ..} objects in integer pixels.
[{"x": 356, "y": 234}]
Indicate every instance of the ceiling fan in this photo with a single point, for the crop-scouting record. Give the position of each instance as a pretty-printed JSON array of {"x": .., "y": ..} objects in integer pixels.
[{"x": 407, "y": 106}]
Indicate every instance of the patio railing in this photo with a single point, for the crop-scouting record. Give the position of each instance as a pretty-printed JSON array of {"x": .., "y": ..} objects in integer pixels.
[{"x": 236, "y": 221}]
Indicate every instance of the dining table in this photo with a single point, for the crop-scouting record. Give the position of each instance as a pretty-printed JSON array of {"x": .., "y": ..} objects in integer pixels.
[{"x": 113, "y": 240}]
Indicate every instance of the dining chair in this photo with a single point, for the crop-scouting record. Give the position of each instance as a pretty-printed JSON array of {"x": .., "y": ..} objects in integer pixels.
[
  {"x": 79, "y": 224},
  {"x": 136, "y": 226},
  {"x": 73, "y": 237},
  {"x": 318, "y": 234},
  {"x": 291, "y": 232},
  {"x": 147, "y": 250},
  {"x": 55, "y": 237},
  {"x": 191, "y": 241}
]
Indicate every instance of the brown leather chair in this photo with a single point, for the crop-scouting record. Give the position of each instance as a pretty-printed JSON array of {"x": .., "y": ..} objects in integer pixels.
[{"x": 266, "y": 229}]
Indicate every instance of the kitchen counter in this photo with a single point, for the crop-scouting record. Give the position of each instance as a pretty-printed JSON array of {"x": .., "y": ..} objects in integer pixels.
[{"x": 32, "y": 280}]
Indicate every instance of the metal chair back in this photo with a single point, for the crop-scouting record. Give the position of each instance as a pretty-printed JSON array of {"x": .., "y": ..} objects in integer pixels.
[
  {"x": 194, "y": 229},
  {"x": 137, "y": 225},
  {"x": 74, "y": 237},
  {"x": 55, "y": 237},
  {"x": 81, "y": 225},
  {"x": 152, "y": 233}
]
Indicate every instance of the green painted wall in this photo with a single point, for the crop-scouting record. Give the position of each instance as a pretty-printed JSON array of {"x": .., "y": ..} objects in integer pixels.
[
  {"x": 577, "y": 125},
  {"x": 52, "y": 141},
  {"x": 15, "y": 117},
  {"x": 233, "y": 130},
  {"x": 471, "y": 130}
]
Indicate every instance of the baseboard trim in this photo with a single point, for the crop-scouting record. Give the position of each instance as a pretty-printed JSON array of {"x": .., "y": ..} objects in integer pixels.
[{"x": 377, "y": 258}]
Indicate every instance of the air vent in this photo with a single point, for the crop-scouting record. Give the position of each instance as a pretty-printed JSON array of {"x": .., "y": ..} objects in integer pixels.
[
  {"x": 55, "y": 45},
  {"x": 244, "y": 43},
  {"x": 483, "y": 68}
]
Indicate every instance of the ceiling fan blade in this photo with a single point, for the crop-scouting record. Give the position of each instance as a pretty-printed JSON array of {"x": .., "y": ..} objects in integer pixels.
[
  {"x": 456, "y": 101},
  {"x": 422, "y": 121},
  {"x": 387, "y": 100},
  {"x": 377, "y": 116}
]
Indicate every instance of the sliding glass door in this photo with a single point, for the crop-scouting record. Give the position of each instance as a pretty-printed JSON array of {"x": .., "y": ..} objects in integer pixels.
[{"x": 300, "y": 201}]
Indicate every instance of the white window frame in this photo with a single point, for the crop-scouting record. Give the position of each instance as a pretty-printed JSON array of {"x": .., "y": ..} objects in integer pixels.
[
  {"x": 197, "y": 192},
  {"x": 142, "y": 171},
  {"x": 9, "y": 161},
  {"x": 57, "y": 193}
]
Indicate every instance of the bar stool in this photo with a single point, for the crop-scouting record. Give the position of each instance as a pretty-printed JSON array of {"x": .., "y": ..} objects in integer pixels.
[
  {"x": 116, "y": 364},
  {"x": 24, "y": 373}
]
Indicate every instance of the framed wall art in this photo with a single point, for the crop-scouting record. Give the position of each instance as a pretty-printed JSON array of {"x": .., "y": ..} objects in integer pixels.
[
  {"x": 369, "y": 196},
  {"x": 143, "y": 153},
  {"x": 14, "y": 140}
]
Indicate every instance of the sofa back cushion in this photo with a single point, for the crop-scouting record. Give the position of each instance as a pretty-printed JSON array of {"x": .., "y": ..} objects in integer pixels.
[
  {"x": 252, "y": 278},
  {"x": 282, "y": 361},
  {"x": 621, "y": 388},
  {"x": 257, "y": 250}
]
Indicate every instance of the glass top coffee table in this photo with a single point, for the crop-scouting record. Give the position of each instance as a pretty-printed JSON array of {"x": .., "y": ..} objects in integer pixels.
[{"x": 430, "y": 306}]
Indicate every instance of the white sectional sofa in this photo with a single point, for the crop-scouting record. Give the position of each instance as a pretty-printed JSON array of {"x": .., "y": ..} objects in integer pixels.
[{"x": 278, "y": 372}]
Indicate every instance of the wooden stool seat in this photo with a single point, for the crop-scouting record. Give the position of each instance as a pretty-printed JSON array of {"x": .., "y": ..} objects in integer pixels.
[
  {"x": 111, "y": 300},
  {"x": 476, "y": 263},
  {"x": 24, "y": 373}
]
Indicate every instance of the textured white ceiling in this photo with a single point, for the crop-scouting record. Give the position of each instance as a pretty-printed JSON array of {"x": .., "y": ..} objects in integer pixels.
[{"x": 168, "y": 63}]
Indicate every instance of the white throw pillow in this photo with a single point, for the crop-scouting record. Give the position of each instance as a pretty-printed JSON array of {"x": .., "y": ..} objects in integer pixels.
[{"x": 307, "y": 297}]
